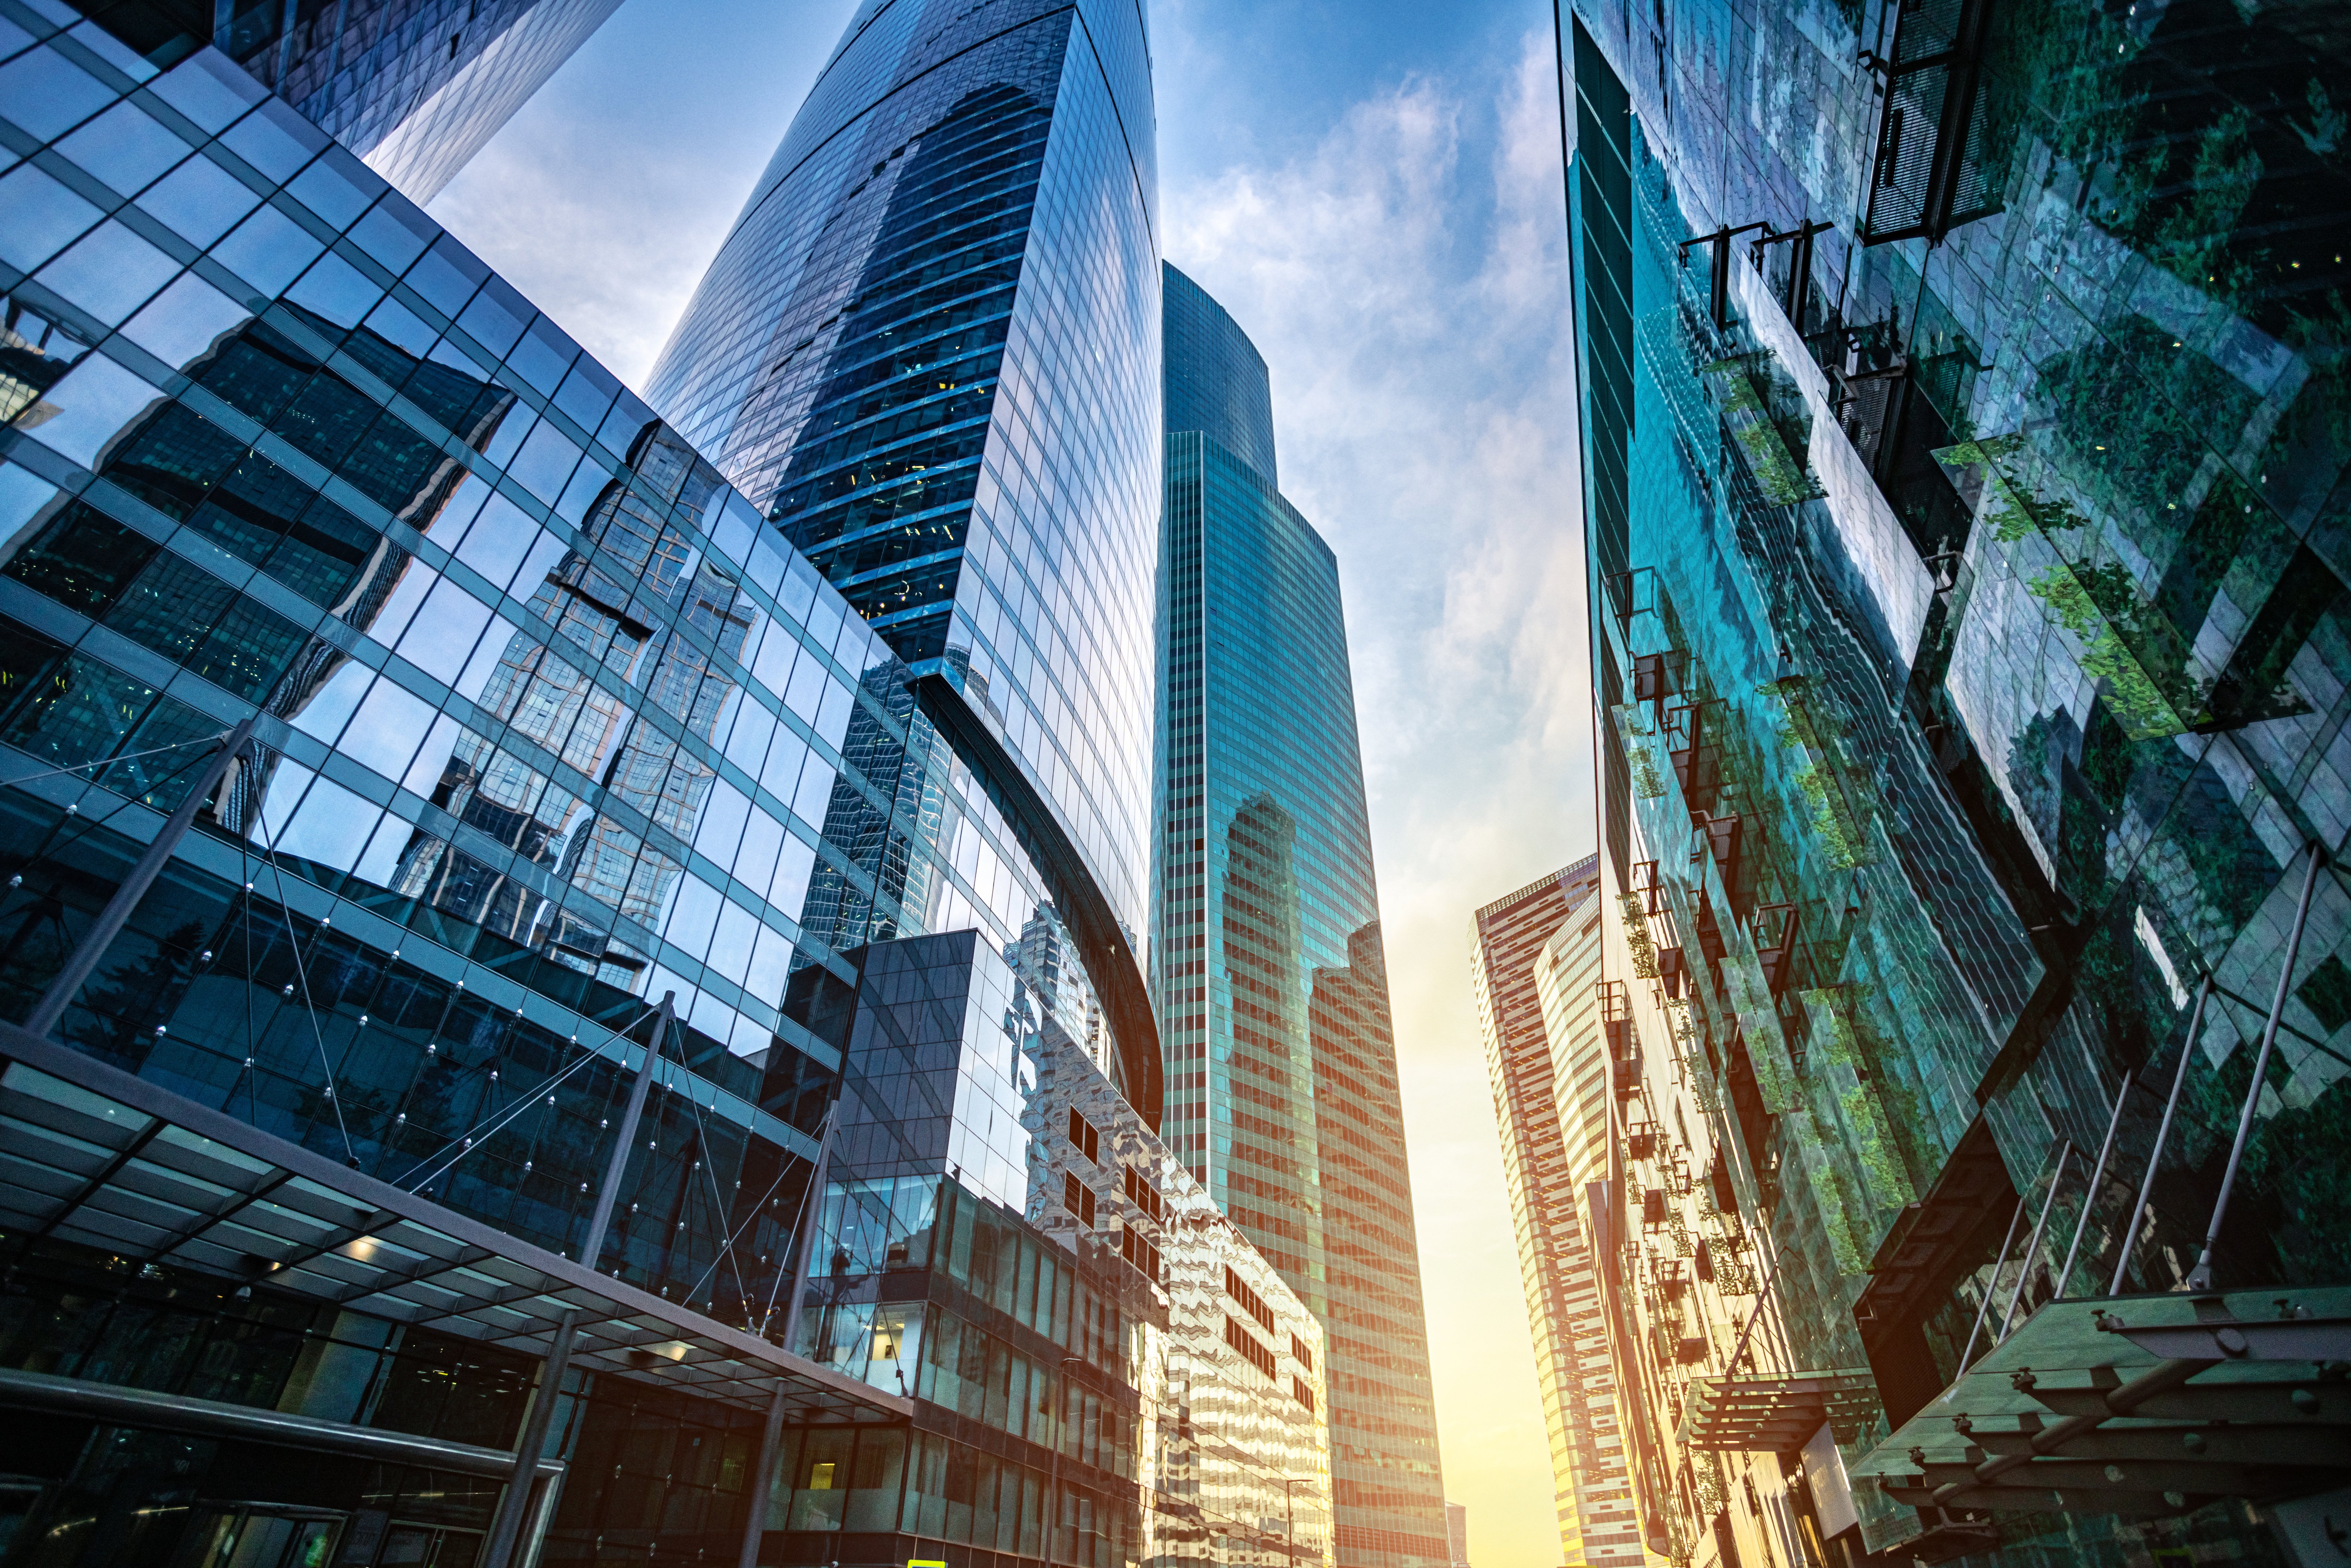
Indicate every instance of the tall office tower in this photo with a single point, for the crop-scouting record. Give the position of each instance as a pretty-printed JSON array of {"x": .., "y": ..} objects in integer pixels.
[
  {"x": 415, "y": 86},
  {"x": 928, "y": 352},
  {"x": 1457, "y": 1533},
  {"x": 1535, "y": 963},
  {"x": 1965, "y": 448},
  {"x": 1271, "y": 983},
  {"x": 440, "y": 832}
]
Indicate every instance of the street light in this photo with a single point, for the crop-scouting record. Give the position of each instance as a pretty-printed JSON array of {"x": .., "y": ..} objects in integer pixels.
[
  {"x": 1289, "y": 1515},
  {"x": 1053, "y": 1481}
]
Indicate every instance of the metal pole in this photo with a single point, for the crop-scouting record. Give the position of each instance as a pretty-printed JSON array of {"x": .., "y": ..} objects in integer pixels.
[
  {"x": 2200, "y": 1276},
  {"x": 812, "y": 1212},
  {"x": 2090, "y": 1198},
  {"x": 119, "y": 909},
  {"x": 1992, "y": 1285},
  {"x": 2162, "y": 1132},
  {"x": 505, "y": 1525},
  {"x": 755, "y": 1525},
  {"x": 591, "y": 1248},
  {"x": 1053, "y": 1475},
  {"x": 2032, "y": 1247}
]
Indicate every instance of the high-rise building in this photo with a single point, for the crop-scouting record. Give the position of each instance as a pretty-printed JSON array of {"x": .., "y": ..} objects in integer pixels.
[
  {"x": 1457, "y": 1533},
  {"x": 1271, "y": 982},
  {"x": 516, "y": 1046},
  {"x": 1965, "y": 439},
  {"x": 414, "y": 87},
  {"x": 929, "y": 354},
  {"x": 1535, "y": 960}
]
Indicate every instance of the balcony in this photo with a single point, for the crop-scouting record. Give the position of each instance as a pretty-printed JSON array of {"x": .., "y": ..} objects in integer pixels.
[
  {"x": 1777, "y": 1413},
  {"x": 1721, "y": 839},
  {"x": 1933, "y": 170},
  {"x": 1775, "y": 944},
  {"x": 1697, "y": 762}
]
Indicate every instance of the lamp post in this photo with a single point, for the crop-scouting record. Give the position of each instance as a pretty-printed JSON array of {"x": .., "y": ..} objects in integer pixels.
[
  {"x": 1290, "y": 1514},
  {"x": 1053, "y": 1475}
]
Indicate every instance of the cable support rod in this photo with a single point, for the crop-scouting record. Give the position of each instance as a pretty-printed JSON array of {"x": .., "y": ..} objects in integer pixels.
[
  {"x": 149, "y": 865},
  {"x": 1991, "y": 1286},
  {"x": 110, "y": 761},
  {"x": 2200, "y": 1276},
  {"x": 2162, "y": 1134},
  {"x": 481, "y": 1131},
  {"x": 2032, "y": 1247},
  {"x": 310, "y": 1003},
  {"x": 2090, "y": 1194}
]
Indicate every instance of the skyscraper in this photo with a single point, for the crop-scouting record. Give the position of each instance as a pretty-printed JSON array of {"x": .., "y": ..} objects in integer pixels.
[
  {"x": 929, "y": 353},
  {"x": 516, "y": 1046},
  {"x": 1964, "y": 454},
  {"x": 1271, "y": 982},
  {"x": 1535, "y": 963},
  {"x": 415, "y": 86}
]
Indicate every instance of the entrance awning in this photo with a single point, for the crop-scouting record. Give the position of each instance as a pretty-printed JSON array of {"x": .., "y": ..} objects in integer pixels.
[
  {"x": 1776, "y": 1413},
  {"x": 2140, "y": 1405},
  {"x": 93, "y": 1156}
]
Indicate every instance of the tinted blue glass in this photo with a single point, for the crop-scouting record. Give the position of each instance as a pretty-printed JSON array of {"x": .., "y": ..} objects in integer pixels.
[
  {"x": 1271, "y": 983},
  {"x": 929, "y": 353},
  {"x": 415, "y": 87},
  {"x": 1217, "y": 381},
  {"x": 1963, "y": 468},
  {"x": 563, "y": 758}
]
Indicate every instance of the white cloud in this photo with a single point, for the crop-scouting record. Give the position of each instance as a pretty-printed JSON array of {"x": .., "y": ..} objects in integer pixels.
[
  {"x": 1405, "y": 278},
  {"x": 547, "y": 224},
  {"x": 1407, "y": 283}
]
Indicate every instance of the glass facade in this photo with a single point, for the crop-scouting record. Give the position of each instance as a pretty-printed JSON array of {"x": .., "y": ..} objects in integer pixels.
[
  {"x": 414, "y": 87},
  {"x": 1271, "y": 982},
  {"x": 929, "y": 354},
  {"x": 1535, "y": 963},
  {"x": 1094, "y": 1350},
  {"x": 1964, "y": 446},
  {"x": 1217, "y": 381},
  {"x": 550, "y": 727}
]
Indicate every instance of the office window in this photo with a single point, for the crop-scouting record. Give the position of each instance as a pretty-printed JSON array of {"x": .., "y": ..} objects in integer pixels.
[
  {"x": 1241, "y": 1339},
  {"x": 1141, "y": 1194}
]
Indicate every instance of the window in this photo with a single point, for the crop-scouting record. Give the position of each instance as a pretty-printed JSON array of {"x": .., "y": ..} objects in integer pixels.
[
  {"x": 1141, "y": 1194},
  {"x": 1305, "y": 1395},
  {"x": 1250, "y": 1302},
  {"x": 1137, "y": 1250},
  {"x": 1077, "y": 1199},
  {"x": 1082, "y": 1137},
  {"x": 1303, "y": 1356},
  {"x": 1241, "y": 1339}
]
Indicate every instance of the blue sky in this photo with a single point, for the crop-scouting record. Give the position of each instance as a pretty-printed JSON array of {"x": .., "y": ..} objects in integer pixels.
[{"x": 1373, "y": 191}]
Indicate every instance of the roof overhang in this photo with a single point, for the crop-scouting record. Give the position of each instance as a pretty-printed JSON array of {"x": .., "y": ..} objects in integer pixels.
[
  {"x": 2141, "y": 1405},
  {"x": 97, "y": 1156}
]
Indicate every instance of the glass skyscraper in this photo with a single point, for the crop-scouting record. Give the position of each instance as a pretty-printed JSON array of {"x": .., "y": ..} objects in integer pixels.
[
  {"x": 517, "y": 1044},
  {"x": 1535, "y": 963},
  {"x": 1271, "y": 982},
  {"x": 929, "y": 354},
  {"x": 415, "y": 86},
  {"x": 1965, "y": 443}
]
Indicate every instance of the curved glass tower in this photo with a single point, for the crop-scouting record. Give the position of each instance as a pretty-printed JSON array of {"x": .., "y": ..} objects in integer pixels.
[
  {"x": 1217, "y": 381},
  {"x": 929, "y": 353},
  {"x": 415, "y": 86},
  {"x": 1271, "y": 981}
]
